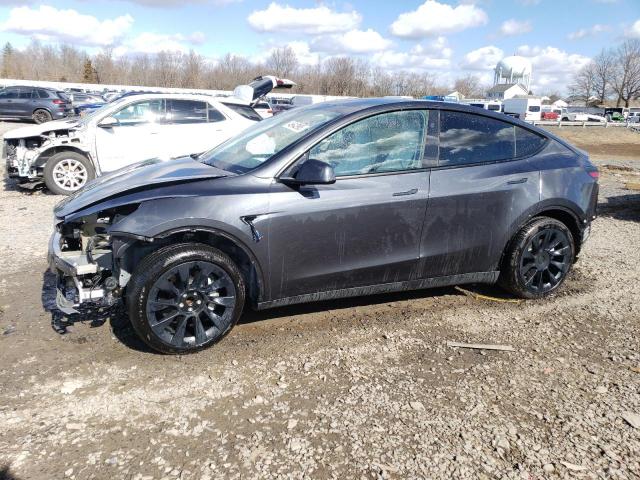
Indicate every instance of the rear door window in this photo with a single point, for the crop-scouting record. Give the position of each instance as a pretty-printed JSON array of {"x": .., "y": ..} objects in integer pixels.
[
  {"x": 25, "y": 94},
  {"x": 527, "y": 142},
  {"x": 186, "y": 111},
  {"x": 467, "y": 138}
]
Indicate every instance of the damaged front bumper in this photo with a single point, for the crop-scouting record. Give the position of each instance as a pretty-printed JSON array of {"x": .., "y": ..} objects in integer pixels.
[
  {"x": 20, "y": 160},
  {"x": 80, "y": 277}
]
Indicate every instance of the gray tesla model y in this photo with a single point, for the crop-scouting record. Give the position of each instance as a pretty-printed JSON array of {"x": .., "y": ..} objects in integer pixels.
[{"x": 332, "y": 200}]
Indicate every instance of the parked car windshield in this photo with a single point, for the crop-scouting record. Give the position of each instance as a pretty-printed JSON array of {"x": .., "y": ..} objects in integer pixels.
[{"x": 251, "y": 149}]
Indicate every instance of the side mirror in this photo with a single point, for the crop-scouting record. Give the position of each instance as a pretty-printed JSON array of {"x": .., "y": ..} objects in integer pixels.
[
  {"x": 312, "y": 172},
  {"x": 109, "y": 122}
]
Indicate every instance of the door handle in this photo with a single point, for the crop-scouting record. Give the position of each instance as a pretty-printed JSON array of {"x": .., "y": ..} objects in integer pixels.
[
  {"x": 516, "y": 182},
  {"x": 413, "y": 191}
]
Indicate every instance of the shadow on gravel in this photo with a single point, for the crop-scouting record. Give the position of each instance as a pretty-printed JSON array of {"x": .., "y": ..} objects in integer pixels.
[
  {"x": 6, "y": 474},
  {"x": 251, "y": 316},
  {"x": 27, "y": 188},
  {"x": 621, "y": 207}
]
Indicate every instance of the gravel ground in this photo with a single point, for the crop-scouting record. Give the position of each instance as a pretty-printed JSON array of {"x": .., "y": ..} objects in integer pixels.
[{"x": 361, "y": 388}]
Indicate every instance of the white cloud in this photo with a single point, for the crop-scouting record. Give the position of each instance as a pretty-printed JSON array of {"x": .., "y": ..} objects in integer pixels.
[
  {"x": 484, "y": 58},
  {"x": 308, "y": 20},
  {"x": 514, "y": 27},
  {"x": 588, "y": 32},
  {"x": 49, "y": 23},
  {"x": 150, "y": 43},
  {"x": 434, "y": 18},
  {"x": 197, "y": 38},
  {"x": 175, "y": 3},
  {"x": 634, "y": 31},
  {"x": 552, "y": 66},
  {"x": 428, "y": 56},
  {"x": 353, "y": 41},
  {"x": 303, "y": 53}
]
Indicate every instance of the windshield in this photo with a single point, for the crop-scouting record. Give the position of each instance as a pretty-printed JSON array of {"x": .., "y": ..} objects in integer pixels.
[{"x": 255, "y": 146}]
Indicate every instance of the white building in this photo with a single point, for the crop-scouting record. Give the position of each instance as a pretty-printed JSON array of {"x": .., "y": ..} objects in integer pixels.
[{"x": 506, "y": 90}]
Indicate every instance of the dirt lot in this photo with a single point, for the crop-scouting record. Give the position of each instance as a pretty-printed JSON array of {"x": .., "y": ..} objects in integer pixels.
[{"x": 364, "y": 388}]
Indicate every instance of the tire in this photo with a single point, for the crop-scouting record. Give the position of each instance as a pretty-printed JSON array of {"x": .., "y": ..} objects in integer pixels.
[
  {"x": 41, "y": 116},
  {"x": 77, "y": 166},
  {"x": 185, "y": 297},
  {"x": 538, "y": 258}
]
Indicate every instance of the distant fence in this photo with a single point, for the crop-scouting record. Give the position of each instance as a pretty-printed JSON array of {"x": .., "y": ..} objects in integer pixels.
[{"x": 585, "y": 124}]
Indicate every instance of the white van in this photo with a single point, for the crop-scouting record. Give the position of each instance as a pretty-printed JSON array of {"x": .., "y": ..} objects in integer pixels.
[
  {"x": 527, "y": 108},
  {"x": 493, "y": 105}
]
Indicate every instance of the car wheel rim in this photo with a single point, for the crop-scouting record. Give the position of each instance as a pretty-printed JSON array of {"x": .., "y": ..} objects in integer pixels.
[
  {"x": 545, "y": 260},
  {"x": 190, "y": 304},
  {"x": 41, "y": 117},
  {"x": 70, "y": 174}
]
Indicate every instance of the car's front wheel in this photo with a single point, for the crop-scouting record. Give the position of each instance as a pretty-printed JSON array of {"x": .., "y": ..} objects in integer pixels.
[
  {"x": 185, "y": 297},
  {"x": 538, "y": 258},
  {"x": 67, "y": 172}
]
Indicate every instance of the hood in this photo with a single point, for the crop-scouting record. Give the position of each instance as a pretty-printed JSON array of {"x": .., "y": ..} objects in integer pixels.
[
  {"x": 143, "y": 175},
  {"x": 36, "y": 130}
]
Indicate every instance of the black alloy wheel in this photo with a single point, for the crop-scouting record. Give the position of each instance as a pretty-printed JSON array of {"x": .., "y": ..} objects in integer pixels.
[
  {"x": 185, "y": 297},
  {"x": 538, "y": 258},
  {"x": 546, "y": 260},
  {"x": 191, "y": 304}
]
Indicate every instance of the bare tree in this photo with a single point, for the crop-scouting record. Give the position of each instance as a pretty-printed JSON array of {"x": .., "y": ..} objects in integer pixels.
[
  {"x": 626, "y": 72},
  {"x": 469, "y": 86},
  {"x": 583, "y": 83},
  {"x": 283, "y": 61},
  {"x": 604, "y": 64},
  {"x": 339, "y": 76}
]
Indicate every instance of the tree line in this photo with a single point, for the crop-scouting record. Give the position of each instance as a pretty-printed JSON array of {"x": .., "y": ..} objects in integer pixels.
[
  {"x": 613, "y": 74},
  {"x": 334, "y": 76}
]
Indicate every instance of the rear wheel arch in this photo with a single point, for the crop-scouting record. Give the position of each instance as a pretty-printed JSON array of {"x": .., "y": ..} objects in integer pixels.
[
  {"x": 561, "y": 213},
  {"x": 131, "y": 253}
]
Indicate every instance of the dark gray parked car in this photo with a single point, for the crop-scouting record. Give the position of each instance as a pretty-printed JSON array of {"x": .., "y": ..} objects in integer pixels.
[
  {"x": 333, "y": 200},
  {"x": 35, "y": 103}
]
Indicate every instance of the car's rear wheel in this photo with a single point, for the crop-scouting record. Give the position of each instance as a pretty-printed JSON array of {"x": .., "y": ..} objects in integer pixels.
[
  {"x": 538, "y": 258},
  {"x": 185, "y": 297},
  {"x": 67, "y": 172},
  {"x": 41, "y": 116}
]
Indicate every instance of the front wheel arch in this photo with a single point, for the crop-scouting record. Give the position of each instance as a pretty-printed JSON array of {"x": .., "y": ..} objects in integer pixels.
[{"x": 131, "y": 252}]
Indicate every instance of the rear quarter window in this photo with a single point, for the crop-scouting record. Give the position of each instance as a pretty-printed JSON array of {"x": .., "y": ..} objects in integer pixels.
[
  {"x": 244, "y": 110},
  {"x": 528, "y": 143},
  {"x": 467, "y": 139}
]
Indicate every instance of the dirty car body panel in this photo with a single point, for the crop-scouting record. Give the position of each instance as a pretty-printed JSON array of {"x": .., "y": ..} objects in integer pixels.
[{"x": 408, "y": 208}]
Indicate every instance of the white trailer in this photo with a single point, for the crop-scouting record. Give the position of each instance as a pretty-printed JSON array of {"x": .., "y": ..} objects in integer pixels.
[{"x": 527, "y": 108}]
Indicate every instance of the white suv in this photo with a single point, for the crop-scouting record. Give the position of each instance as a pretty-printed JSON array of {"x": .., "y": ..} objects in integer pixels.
[{"x": 69, "y": 153}]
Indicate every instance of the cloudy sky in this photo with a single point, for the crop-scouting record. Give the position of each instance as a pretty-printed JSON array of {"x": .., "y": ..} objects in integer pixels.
[{"x": 445, "y": 37}]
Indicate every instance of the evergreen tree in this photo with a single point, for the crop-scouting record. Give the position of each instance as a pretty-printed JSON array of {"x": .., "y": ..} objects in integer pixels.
[{"x": 89, "y": 74}]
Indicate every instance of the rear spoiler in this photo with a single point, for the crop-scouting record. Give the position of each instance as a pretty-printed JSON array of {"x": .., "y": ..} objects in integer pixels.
[{"x": 259, "y": 87}]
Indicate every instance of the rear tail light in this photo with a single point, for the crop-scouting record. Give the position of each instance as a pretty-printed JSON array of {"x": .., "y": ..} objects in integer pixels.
[
  {"x": 58, "y": 102},
  {"x": 594, "y": 174}
]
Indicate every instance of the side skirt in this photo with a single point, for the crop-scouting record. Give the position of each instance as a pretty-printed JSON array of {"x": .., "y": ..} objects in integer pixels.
[{"x": 479, "y": 277}]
